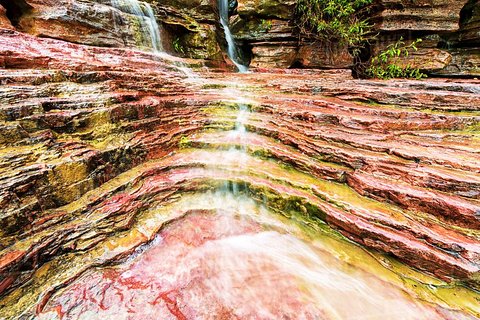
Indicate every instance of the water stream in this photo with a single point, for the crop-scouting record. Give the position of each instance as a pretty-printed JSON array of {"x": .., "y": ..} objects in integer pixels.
[
  {"x": 149, "y": 29},
  {"x": 232, "y": 48},
  {"x": 228, "y": 257},
  {"x": 226, "y": 253}
]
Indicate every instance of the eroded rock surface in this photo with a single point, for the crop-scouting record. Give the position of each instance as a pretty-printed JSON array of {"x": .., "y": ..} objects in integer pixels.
[
  {"x": 264, "y": 30},
  {"x": 449, "y": 30},
  {"x": 5, "y": 23},
  {"x": 102, "y": 149},
  {"x": 450, "y": 46}
]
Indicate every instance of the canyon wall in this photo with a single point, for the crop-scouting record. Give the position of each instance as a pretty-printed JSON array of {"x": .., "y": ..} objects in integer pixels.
[
  {"x": 450, "y": 30},
  {"x": 265, "y": 31}
]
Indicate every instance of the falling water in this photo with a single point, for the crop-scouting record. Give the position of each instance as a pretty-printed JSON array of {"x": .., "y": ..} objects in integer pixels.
[
  {"x": 149, "y": 26},
  {"x": 232, "y": 48},
  {"x": 150, "y": 32}
]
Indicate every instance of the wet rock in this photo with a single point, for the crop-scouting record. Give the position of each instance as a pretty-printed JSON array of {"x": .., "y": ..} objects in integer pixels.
[
  {"x": 200, "y": 45},
  {"x": 189, "y": 28},
  {"x": 103, "y": 148},
  {"x": 80, "y": 22}
]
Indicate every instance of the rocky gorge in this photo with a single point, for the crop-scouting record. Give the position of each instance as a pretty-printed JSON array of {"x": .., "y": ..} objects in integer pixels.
[{"x": 144, "y": 181}]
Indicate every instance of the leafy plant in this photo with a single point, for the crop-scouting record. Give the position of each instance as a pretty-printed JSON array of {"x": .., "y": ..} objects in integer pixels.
[
  {"x": 265, "y": 25},
  {"x": 387, "y": 64},
  {"x": 177, "y": 46},
  {"x": 336, "y": 21}
]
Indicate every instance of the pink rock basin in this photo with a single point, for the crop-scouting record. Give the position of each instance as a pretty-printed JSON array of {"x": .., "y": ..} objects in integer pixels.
[{"x": 225, "y": 266}]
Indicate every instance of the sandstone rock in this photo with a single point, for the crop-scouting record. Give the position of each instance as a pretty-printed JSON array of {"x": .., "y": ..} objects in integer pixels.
[
  {"x": 424, "y": 15},
  {"x": 470, "y": 23},
  {"x": 273, "y": 55},
  {"x": 86, "y": 22},
  {"x": 465, "y": 62},
  {"x": 74, "y": 21},
  {"x": 200, "y": 10},
  {"x": 318, "y": 55},
  {"x": 261, "y": 30},
  {"x": 100, "y": 146},
  {"x": 449, "y": 31},
  {"x": 189, "y": 28},
  {"x": 267, "y": 8},
  {"x": 201, "y": 44},
  {"x": 271, "y": 40},
  {"x": 427, "y": 58}
]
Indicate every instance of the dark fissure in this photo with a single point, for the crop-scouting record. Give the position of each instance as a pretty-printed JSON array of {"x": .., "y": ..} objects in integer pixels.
[{"x": 15, "y": 10}]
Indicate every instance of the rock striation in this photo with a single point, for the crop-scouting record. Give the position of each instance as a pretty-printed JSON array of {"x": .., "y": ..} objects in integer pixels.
[
  {"x": 449, "y": 30},
  {"x": 265, "y": 30},
  {"x": 451, "y": 44},
  {"x": 102, "y": 149}
]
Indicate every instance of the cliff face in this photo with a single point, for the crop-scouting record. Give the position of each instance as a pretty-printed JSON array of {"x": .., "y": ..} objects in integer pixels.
[
  {"x": 450, "y": 31},
  {"x": 92, "y": 23},
  {"x": 190, "y": 27},
  {"x": 264, "y": 29},
  {"x": 449, "y": 28}
]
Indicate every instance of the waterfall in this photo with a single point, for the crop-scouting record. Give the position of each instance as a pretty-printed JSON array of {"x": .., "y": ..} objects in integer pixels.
[
  {"x": 232, "y": 49},
  {"x": 149, "y": 26},
  {"x": 150, "y": 30}
]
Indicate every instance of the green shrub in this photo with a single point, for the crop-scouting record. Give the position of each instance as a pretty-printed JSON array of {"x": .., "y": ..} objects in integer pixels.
[
  {"x": 177, "y": 46},
  {"x": 333, "y": 20},
  {"x": 265, "y": 25},
  {"x": 387, "y": 64}
]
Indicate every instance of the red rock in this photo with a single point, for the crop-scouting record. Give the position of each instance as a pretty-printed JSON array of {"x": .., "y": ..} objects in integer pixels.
[
  {"x": 96, "y": 139},
  {"x": 318, "y": 55}
]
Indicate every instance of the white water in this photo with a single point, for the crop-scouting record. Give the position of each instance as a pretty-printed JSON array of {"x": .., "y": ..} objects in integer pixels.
[
  {"x": 241, "y": 263},
  {"x": 149, "y": 26},
  {"x": 232, "y": 49},
  {"x": 150, "y": 32}
]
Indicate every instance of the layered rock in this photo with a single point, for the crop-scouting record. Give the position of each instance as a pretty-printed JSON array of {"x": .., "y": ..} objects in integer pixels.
[
  {"x": 75, "y": 21},
  {"x": 190, "y": 28},
  {"x": 470, "y": 23},
  {"x": 437, "y": 15},
  {"x": 449, "y": 30},
  {"x": 103, "y": 149},
  {"x": 266, "y": 27},
  {"x": 445, "y": 27},
  {"x": 97, "y": 158}
]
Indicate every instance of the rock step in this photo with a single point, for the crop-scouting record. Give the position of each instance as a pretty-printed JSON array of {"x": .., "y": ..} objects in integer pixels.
[
  {"x": 454, "y": 210},
  {"x": 355, "y": 116},
  {"x": 432, "y": 152},
  {"x": 152, "y": 185}
]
